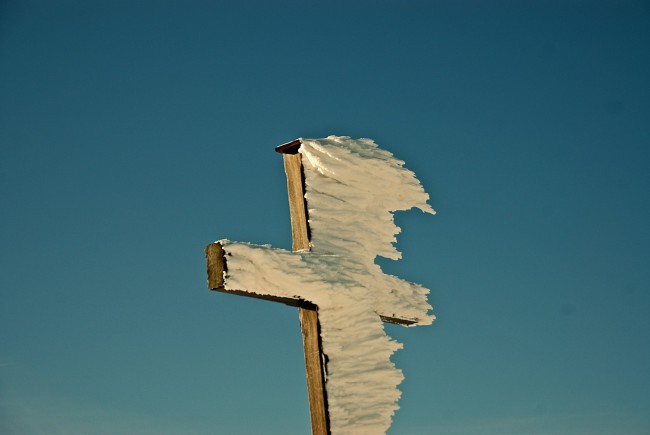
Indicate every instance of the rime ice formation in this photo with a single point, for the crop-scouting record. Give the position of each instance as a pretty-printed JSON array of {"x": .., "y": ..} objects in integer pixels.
[{"x": 352, "y": 187}]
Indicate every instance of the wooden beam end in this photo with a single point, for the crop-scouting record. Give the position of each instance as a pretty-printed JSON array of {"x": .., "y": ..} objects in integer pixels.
[
  {"x": 289, "y": 147},
  {"x": 215, "y": 258}
]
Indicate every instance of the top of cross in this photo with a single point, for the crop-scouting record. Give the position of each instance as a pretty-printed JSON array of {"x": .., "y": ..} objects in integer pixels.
[{"x": 352, "y": 189}]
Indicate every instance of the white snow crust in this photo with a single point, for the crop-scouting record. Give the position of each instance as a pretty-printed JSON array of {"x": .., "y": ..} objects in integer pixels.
[{"x": 352, "y": 188}]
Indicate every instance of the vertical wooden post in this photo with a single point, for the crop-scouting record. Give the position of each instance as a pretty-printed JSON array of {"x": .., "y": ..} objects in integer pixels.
[
  {"x": 314, "y": 367},
  {"x": 297, "y": 206},
  {"x": 308, "y": 317}
]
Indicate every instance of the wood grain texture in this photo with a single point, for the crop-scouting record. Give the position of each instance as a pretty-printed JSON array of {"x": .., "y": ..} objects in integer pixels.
[
  {"x": 297, "y": 206},
  {"x": 216, "y": 262},
  {"x": 311, "y": 341},
  {"x": 314, "y": 365}
]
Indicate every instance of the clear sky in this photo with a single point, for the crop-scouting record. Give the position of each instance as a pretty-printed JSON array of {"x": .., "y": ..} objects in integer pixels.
[{"x": 134, "y": 133}]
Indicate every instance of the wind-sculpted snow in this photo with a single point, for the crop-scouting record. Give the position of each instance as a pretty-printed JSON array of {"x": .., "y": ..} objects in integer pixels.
[{"x": 352, "y": 188}]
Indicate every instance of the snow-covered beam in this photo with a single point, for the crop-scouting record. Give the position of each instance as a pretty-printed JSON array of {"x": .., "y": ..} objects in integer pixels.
[{"x": 217, "y": 265}]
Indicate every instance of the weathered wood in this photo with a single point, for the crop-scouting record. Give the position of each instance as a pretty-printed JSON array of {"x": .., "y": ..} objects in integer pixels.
[
  {"x": 311, "y": 341},
  {"x": 312, "y": 347},
  {"x": 216, "y": 262},
  {"x": 297, "y": 206}
]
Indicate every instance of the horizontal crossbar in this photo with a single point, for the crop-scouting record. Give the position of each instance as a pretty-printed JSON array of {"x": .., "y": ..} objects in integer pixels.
[{"x": 217, "y": 265}]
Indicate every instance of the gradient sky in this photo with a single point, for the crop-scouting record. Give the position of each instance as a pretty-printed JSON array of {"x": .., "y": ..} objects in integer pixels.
[{"x": 134, "y": 133}]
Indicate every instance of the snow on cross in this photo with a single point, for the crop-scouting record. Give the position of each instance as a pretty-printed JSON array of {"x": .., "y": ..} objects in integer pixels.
[{"x": 342, "y": 193}]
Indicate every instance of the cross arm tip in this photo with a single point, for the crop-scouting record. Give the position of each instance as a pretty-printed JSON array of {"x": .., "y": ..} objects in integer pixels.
[{"x": 216, "y": 263}]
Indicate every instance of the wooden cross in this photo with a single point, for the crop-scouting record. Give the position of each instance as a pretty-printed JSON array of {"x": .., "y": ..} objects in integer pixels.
[{"x": 308, "y": 312}]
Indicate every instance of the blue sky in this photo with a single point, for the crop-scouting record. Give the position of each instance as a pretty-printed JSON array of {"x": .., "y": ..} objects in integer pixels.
[{"x": 134, "y": 133}]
